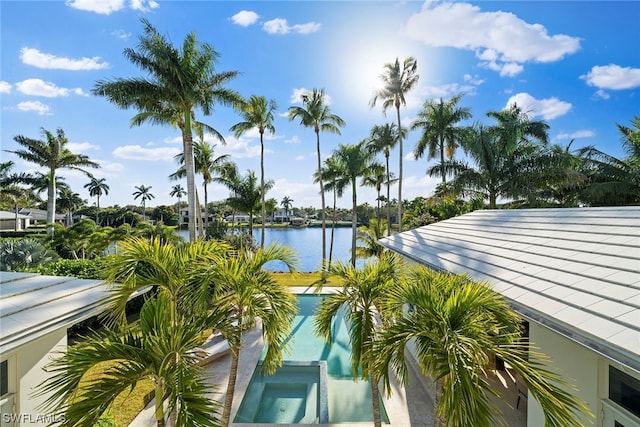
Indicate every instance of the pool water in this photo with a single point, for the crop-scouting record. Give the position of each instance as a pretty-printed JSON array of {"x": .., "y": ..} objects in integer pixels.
[{"x": 296, "y": 397}]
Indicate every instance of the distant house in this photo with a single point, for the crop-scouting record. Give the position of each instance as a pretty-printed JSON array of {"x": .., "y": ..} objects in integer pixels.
[
  {"x": 184, "y": 216},
  {"x": 35, "y": 312},
  {"x": 40, "y": 215},
  {"x": 574, "y": 276},
  {"x": 239, "y": 217},
  {"x": 14, "y": 221}
]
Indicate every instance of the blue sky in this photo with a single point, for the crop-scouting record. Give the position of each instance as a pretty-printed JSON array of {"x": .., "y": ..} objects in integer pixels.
[{"x": 574, "y": 64}]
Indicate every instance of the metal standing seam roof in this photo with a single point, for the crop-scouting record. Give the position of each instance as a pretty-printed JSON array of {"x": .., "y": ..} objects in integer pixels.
[
  {"x": 33, "y": 305},
  {"x": 574, "y": 270}
]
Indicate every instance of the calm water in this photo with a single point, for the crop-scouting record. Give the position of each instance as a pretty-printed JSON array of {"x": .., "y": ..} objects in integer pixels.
[{"x": 307, "y": 243}]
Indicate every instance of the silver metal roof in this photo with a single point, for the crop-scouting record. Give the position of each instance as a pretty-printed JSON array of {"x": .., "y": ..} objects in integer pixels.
[
  {"x": 33, "y": 305},
  {"x": 574, "y": 270}
]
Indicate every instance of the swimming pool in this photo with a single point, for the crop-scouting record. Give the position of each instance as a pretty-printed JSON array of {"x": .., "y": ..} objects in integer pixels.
[{"x": 295, "y": 396}]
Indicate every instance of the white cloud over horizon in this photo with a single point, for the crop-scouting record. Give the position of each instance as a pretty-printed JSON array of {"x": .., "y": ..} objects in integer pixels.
[
  {"x": 38, "y": 87},
  {"x": 37, "y": 106},
  {"x": 500, "y": 40},
  {"x": 106, "y": 7},
  {"x": 281, "y": 26},
  {"x": 583, "y": 133},
  {"x": 136, "y": 152},
  {"x": 548, "y": 109},
  {"x": 244, "y": 18},
  {"x": 5, "y": 87},
  {"x": 612, "y": 77},
  {"x": 34, "y": 57}
]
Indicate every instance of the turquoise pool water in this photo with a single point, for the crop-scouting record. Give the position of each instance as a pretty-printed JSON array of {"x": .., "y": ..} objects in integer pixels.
[{"x": 290, "y": 397}]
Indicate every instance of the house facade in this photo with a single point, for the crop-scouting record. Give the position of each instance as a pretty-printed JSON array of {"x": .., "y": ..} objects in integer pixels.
[
  {"x": 572, "y": 274},
  {"x": 35, "y": 312},
  {"x": 14, "y": 221}
]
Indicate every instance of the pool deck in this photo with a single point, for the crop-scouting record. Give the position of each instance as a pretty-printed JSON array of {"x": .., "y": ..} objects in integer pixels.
[{"x": 411, "y": 405}]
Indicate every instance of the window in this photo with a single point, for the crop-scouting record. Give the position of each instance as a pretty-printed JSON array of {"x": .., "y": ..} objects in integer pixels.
[
  {"x": 624, "y": 390},
  {"x": 4, "y": 378}
]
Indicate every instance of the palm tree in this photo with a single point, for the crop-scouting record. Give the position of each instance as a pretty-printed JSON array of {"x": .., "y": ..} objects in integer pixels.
[
  {"x": 398, "y": 81},
  {"x": 155, "y": 349},
  {"x": 286, "y": 203},
  {"x": 11, "y": 191},
  {"x": 514, "y": 128},
  {"x": 178, "y": 191},
  {"x": 247, "y": 292},
  {"x": 382, "y": 140},
  {"x": 257, "y": 113},
  {"x": 52, "y": 155},
  {"x": 97, "y": 187},
  {"x": 333, "y": 178},
  {"x": 70, "y": 202},
  {"x": 454, "y": 323},
  {"x": 364, "y": 292},
  {"x": 369, "y": 237},
  {"x": 356, "y": 162},
  {"x": 205, "y": 164},
  {"x": 440, "y": 134},
  {"x": 246, "y": 195},
  {"x": 499, "y": 171},
  {"x": 177, "y": 82},
  {"x": 376, "y": 177},
  {"x": 614, "y": 181},
  {"x": 143, "y": 193},
  {"x": 316, "y": 114}
]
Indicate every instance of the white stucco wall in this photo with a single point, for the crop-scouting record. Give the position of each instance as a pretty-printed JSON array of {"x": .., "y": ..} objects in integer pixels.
[
  {"x": 30, "y": 360},
  {"x": 578, "y": 365}
]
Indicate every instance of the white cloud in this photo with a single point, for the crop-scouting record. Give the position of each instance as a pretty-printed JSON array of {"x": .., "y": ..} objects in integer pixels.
[
  {"x": 239, "y": 148},
  {"x": 549, "y": 108},
  {"x": 136, "y": 152},
  {"x": 281, "y": 26},
  {"x": 293, "y": 140},
  {"x": 613, "y": 77},
  {"x": 449, "y": 89},
  {"x": 37, "y": 106},
  {"x": 81, "y": 147},
  {"x": 106, "y": 7},
  {"x": 121, "y": 34},
  {"x": 300, "y": 158},
  {"x": 584, "y": 133},
  {"x": 296, "y": 96},
  {"x": 143, "y": 5},
  {"x": 501, "y": 40},
  {"x": 245, "y": 18},
  {"x": 5, "y": 87},
  {"x": 308, "y": 28},
  {"x": 38, "y": 59},
  {"x": 39, "y": 87},
  {"x": 601, "y": 94}
]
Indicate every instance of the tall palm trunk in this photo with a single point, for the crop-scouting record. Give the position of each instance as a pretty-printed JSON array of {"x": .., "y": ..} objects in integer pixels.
[
  {"x": 263, "y": 211},
  {"x": 98, "y": 209},
  {"x": 189, "y": 166},
  {"x": 51, "y": 203},
  {"x": 399, "y": 169},
  {"x": 324, "y": 235},
  {"x": 354, "y": 222},
  {"x": 438, "y": 421},
  {"x": 159, "y": 404},
  {"x": 375, "y": 400},
  {"x": 388, "y": 196},
  {"x": 444, "y": 175},
  {"x": 333, "y": 226},
  {"x": 231, "y": 389},
  {"x": 206, "y": 211}
]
